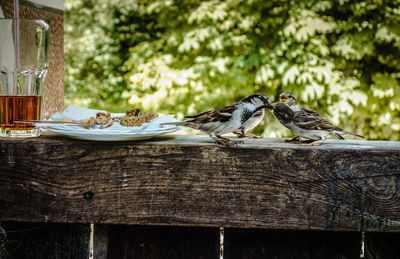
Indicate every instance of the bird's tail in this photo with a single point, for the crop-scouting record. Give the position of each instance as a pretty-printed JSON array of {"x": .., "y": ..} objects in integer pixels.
[
  {"x": 350, "y": 133},
  {"x": 339, "y": 136}
]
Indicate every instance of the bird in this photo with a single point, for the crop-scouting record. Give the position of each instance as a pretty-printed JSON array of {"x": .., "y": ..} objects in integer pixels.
[
  {"x": 250, "y": 124},
  {"x": 290, "y": 100},
  {"x": 305, "y": 122},
  {"x": 225, "y": 120}
]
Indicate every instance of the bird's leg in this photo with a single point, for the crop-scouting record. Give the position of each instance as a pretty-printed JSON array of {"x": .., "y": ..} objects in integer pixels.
[
  {"x": 241, "y": 134},
  {"x": 249, "y": 135},
  {"x": 220, "y": 140},
  {"x": 232, "y": 142},
  {"x": 306, "y": 141},
  {"x": 295, "y": 139},
  {"x": 224, "y": 141},
  {"x": 312, "y": 142},
  {"x": 339, "y": 136},
  {"x": 224, "y": 138}
]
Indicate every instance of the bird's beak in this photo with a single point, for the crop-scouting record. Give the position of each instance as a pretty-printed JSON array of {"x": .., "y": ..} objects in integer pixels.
[
  {"x": 270, "y": 107},
  {"x": 283, "y": 98}
]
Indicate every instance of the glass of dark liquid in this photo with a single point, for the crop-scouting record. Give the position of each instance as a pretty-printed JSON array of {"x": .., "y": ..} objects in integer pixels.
[{"x": 24, "y": 48}]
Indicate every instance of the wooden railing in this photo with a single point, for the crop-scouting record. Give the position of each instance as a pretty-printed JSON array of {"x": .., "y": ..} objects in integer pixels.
[{"x": 180, "y": 197}]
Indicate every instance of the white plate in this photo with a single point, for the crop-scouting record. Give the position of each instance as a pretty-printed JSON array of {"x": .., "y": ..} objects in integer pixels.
[
  {"x": 111, "y": 135},
  {"x": 114, "y": 133}
]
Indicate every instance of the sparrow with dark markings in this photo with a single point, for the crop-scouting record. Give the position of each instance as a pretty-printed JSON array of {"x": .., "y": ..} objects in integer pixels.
[
  {"x": 250, "y": 124},
  {"x": 289, "y": 99},
  {"x": 305, "y": 122},
  {"x": 227, "y": 119}
]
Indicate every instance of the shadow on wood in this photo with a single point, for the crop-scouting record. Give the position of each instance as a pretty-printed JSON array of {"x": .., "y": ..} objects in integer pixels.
[
  {"x": 162, "y": 242},
  {"x": 382, "y": 245},
  {"x": 46, "y": 240},
  {"x": 251, "y": 243}
]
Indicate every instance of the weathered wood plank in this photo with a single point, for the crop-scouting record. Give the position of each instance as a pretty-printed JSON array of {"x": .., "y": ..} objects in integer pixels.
[
  {"x": 162, "y": 242},
  {"x": 266, "y": 183},
  {"x": 46, "y": 240},
  {"x": 251, "y": 243}
]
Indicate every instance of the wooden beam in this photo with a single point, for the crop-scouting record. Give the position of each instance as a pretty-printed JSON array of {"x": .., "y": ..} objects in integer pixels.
[
  {"x": 100, "y": 241},
  {"x": 189, "y": 180}
]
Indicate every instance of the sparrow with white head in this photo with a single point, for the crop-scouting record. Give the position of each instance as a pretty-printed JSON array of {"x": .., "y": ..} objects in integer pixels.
[
  {"x": 305, "y": 122},
  {"x": 227, "y": 119}
]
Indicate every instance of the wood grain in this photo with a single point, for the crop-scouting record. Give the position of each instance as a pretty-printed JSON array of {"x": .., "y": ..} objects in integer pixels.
[{"x": 189, "y": 180}]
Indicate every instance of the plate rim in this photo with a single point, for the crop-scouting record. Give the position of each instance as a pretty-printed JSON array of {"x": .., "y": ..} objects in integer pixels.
[{"x": 113, "y": 135}]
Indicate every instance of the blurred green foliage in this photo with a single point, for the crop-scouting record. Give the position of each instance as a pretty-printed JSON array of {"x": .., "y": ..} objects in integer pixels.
[{"x": 341, "y": 58}]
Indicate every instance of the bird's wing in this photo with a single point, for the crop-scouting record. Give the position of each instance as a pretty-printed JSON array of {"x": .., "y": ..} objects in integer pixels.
[
  {"x": 258, "y": 113},
  {"x": 197, "y": 115},
  {"x": 283, "y": 113},
  {"x": 309, "y": 119},
  {"x": 222, "y": 115},
  {"x": 309, "y": 111}
]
